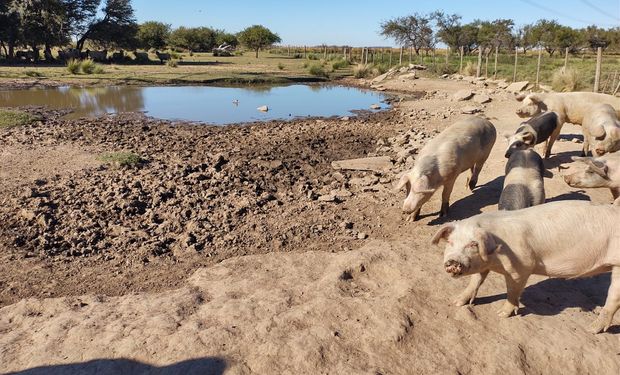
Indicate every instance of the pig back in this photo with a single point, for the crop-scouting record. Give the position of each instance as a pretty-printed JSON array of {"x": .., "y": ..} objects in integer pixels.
[{"x": 462, "y": 145}]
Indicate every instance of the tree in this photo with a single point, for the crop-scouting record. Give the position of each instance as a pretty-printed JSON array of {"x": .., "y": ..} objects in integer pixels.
[
  {"x": 257, "y": 37},
  {"x": 222, "y": 37},
  {"x": 595, "y": 37},
  {"x": 449, "y": 29},
  {"x": 117, "y": 27},
  {"x": 153, "y": 34},
  {"x": 413, "y": 31},
  {"x": 195, "y": 39},
  {"x": 545, "y": 33},
  {"x": 9, "y": 27}
]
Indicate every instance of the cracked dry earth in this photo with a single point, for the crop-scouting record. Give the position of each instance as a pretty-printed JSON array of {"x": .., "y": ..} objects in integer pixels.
[{"x": 240, "y": 250}]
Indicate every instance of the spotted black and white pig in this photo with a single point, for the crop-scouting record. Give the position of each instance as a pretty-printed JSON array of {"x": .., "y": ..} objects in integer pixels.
[
  {"x": 536, "y": 130},
  {"x": 566, "y": 239},
  {"x": 464, "y": 145},
  {"x": 523, "y": 185}
]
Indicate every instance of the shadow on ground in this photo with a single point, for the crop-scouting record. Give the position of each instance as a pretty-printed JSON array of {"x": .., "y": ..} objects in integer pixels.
[
  {"x": 482, "y": 196},
  {"x": 579, "y": 195},
  {"x": 199, "y": 366}
]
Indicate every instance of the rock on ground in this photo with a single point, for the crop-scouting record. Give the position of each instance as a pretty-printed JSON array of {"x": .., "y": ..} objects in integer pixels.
[
  {"x": 517, "y": 86},
  {"x": 377, "y": 163}
]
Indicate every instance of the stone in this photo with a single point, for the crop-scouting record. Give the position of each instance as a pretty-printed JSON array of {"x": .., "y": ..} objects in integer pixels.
[
  {"x": 462, "y": 95},
  {"x": 362, "y": 236},
  {"x": 376, "y": 164},
  {"x": 263, "y": 108},
  {"x": 375, "y": 106},
  {"x": 482, "y": 98},
  {"x": 411, "y": 75},
  {"x": 517, "y": 86},
  {"x": 341, "y": 193},
  {"x": 363, "y": 181},
  {"x": 327, "y": 198},
  {"x": 345, "y": 118},
  {"x": 444, "y": 76},
  {"x": 380, "y": 78},
  {"x": 470, "y": 110},
  {"x": 502, "y": 84}
]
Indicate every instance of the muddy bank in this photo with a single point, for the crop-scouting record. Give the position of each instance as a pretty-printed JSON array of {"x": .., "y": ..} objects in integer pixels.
[{"x": 200, "y": 194}]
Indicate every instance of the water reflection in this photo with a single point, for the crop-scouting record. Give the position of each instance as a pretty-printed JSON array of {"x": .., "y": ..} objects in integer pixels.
[{"x": 218, "y": 105}]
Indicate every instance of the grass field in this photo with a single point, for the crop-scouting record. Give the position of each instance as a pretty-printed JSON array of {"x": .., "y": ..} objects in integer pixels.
[
  {"x": 199, "y": 68},
  {"x": 277, "y": 66}
]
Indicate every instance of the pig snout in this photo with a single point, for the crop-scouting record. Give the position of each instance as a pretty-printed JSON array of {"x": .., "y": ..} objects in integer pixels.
[
  {"x": 454, "y": 268},
  {"x": 599, "y": 151}
]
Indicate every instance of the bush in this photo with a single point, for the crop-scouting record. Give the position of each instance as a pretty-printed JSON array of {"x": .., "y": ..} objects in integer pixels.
[
  {"x": 281, "y": 66},
  {"x": 469, "y": 69},
  {"x": 340, "y": 64},
  {"x": 238, "y": 53},
  {"x": 88, "y": 66},
  {"x": 361, "y": 71},
  {"x": 318, "y": 71},
  {"x": 297, "y": 56},
  {"x": 122, "y": 159},
  {"x": 32, "y": 73},
  {"x": 73, "y": 66},
  {"x": 312, "y": 56},
  {"x": 567, "y": 80},
  {"x": 173, "y": 63},
  {"x": 10, "y": 118}
]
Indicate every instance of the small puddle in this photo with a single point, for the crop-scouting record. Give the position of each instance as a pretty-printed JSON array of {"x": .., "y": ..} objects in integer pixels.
[{"x": 215, "y": 105}]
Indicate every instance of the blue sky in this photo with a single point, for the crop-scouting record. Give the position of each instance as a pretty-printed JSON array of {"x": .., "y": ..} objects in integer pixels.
[{"x": 356, "y": 22}]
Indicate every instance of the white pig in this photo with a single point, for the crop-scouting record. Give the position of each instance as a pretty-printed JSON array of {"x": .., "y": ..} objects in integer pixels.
[
  {"x": 464, "y": 145},
  {"x": 601, "y": 130},
  {"x": 598, "y": 172},
  {"x": 566, "y": 239}
]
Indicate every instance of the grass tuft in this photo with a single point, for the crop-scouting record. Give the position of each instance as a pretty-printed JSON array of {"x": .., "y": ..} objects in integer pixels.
[
  {"x": 567, "y": 80},
  {"x": 124, "y": 159},
  {"x": 318, "y": 71},
  {"x": 362, "y": 71},
  {"x": 469, "y": 69},
  {"x": 173, "y": 63},
  {"x": 11, "y": 118},
  {"x": 73, "y": 66},
  {"x": 340, "y": 64}
]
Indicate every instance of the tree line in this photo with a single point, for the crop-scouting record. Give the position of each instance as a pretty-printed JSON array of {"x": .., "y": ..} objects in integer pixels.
[
  {"x": 423, "y": 32},
  {"x": 106, "y": 24}
]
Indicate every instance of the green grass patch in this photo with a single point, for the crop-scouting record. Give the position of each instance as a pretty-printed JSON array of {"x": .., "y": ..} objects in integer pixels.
[
  {"x": 73, "y": 66},
  {"x": 33, "y": 73},
  {"x": 12, "y": 118},
  {"x": 318, "y": 71},
  {"x": 124, "y": 159}
]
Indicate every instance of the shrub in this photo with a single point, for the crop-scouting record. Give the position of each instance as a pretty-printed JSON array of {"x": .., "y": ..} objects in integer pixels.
[
  {"x": 88, "y": 66},
  {"x": 318, "y": 71},
  {"x": 361, "y": 71},
  {"x": 173, "y": 63},
  {"x": 340, "y": 64},
  {"x": 73, "y": 66},
  {"x": 281, "y": 66},
  {"x": 32, "y": 73},
  {"x": 312, "y": 56},
  {"x": 238, "y": 53},
  {"x": 124, "y": 159},
  {"x": 469, "y": 69},
  {"x": 11, "y": 118},
  {"x": 297, "y": 56},
  {"x": 567, "y": 80},
  {"x": 305, "y": 65}
]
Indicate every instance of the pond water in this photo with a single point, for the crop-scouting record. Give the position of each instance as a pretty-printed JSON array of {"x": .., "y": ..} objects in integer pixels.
[{"x": 215, "y": 105}]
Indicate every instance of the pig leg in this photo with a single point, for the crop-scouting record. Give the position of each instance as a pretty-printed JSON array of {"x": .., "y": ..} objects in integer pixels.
[
  {"x": 612, "y": 304},
  {"x": 445, "y": 196},
  {"x": 469, "y": 294},
  {"x": 515, "y": 288},
  {"x": 550, "y": 143}
]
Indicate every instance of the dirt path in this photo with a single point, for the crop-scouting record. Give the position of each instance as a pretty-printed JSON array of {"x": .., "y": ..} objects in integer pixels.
[{"x": 323, "y": 301}]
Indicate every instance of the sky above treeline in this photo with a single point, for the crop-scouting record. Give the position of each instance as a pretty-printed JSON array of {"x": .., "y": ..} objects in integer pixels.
[{"x": 356, "y": 22}]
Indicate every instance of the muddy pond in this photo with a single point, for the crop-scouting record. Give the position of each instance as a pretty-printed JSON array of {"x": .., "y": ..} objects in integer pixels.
[{"x": 214, "y": 105}]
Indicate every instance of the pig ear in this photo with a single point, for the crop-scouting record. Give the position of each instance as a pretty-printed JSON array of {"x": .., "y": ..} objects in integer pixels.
[
  {"x": 521, "y": 96},
  {"x": 529, "y": 138},
  {"x": 597, "y": 131},
  {"x": 486, "y": 244},
  {"x": 404, "y": 181},
  {"x": 598, "y": 167},
  {"x": 421, "y": 185},
  {"x": 443, "y": 233},
  {"x": 535, "y": 98}
]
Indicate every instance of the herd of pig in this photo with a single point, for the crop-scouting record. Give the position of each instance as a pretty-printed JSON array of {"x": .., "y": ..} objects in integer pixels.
[{"x": 567, "y": 239}]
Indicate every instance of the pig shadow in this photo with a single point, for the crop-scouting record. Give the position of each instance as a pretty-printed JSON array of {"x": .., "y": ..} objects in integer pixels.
[
  {"x": 482, "y": 196},
  {"x": 570, "y": 137},
  {"x": 554, "y": 162},
  {"x": 207, "y": 365},
  {"x": 579, "y": 195}
]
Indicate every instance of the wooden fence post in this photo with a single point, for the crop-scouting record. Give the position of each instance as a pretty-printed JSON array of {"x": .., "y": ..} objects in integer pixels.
[
  {"x": 479, "y": 67},
  {"x": 495, "y": 65},
  {"x": 305, "y": 52},
  {"x": 410, "y": 54},
  {"x": 538, "y": 67},
  {"x": 597, "y": 75},
  {"x": 391, "y": 57},
  {"x": 400, "y": 60},
  {"x": 461, "y": 64},
  {"x": 366, "y": 58},
  {"x": 486, "y": 64},
  {"x": 514, "y": 74}
]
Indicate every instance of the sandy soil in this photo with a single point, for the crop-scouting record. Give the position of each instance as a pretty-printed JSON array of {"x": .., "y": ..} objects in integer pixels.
[{"x": 98, "y": 273}]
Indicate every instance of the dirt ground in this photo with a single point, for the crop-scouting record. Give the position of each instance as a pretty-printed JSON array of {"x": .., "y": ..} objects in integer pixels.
[{"x": 240, "y": 250}]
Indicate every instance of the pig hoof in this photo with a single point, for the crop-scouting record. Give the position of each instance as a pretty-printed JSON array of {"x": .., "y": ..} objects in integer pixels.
[
  {"x": 463, "y": 300},
  {"x": 507, "y": 310},
  {"x": 601, "y": 324}
]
